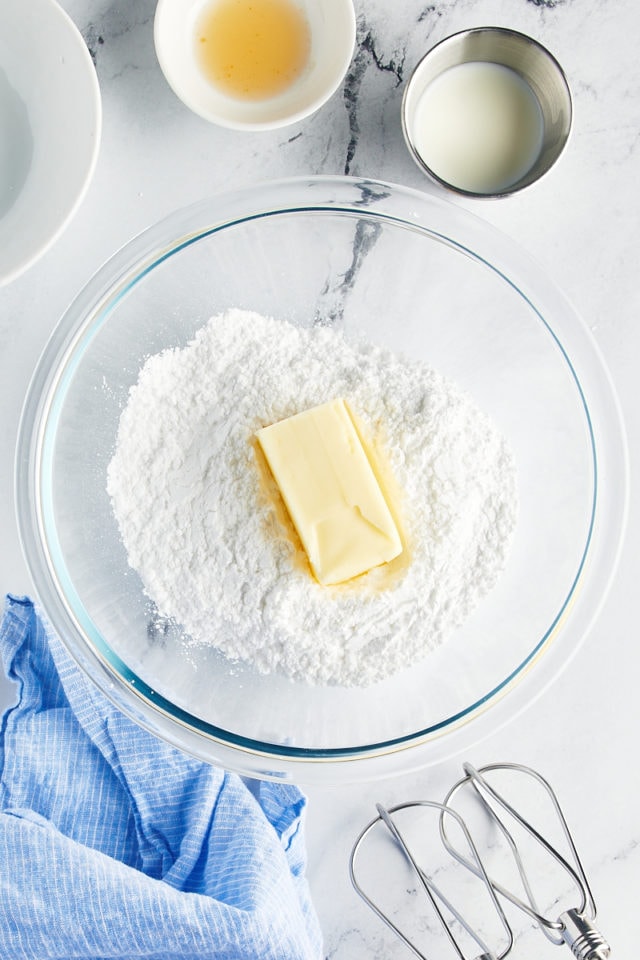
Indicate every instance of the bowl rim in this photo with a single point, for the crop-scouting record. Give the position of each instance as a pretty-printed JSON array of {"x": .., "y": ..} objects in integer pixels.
[
  {"x": 78, "y": 59},
  {"x": 165, "y": 48},
  {"x": 269, "y": 760}
]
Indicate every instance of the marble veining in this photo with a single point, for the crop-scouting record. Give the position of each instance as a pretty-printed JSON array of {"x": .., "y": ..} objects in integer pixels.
[
  {"x": 367, "y": 57},
  {"x": 94, "y": 40}
]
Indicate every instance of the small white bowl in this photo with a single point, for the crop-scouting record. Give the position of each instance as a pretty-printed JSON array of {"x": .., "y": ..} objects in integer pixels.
[
  {"x": 50, "y": 124},
  {"x": 332, "y": 28}
]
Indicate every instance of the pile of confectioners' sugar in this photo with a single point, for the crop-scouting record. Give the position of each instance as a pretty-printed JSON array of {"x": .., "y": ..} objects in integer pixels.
[{"x": 208, "y": 540}]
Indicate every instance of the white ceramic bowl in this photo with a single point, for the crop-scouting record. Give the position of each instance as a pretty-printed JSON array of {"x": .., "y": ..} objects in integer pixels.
[
  {"x": 50, "y": 124},
  {"x": 332, "y": 27}
]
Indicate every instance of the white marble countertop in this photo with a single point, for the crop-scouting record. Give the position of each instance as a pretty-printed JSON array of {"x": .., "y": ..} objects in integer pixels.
[{"x": 580, "y": 223}]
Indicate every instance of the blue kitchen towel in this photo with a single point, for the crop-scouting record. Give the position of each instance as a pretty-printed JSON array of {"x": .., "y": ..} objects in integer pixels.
[{"x": 116, "y": 845}]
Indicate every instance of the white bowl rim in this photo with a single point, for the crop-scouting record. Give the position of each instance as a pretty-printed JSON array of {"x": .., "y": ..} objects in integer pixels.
[
  {"x": 194, "y": 91},
  {"x": 86, "y": 76}
]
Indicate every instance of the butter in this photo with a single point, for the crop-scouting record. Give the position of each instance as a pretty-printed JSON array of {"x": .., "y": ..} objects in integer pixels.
[{"x": 331, "y": 492}]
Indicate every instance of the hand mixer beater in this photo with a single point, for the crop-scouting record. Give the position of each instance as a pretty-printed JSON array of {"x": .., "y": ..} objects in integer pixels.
[{"x": 495, "y": 809}]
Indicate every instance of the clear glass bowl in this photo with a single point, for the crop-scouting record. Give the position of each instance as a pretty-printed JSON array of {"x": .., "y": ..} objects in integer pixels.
[{"x": 414, "y": 274}]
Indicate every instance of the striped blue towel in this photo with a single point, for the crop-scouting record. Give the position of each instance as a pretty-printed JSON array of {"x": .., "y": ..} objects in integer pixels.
[{"x": 114, "y": 844}]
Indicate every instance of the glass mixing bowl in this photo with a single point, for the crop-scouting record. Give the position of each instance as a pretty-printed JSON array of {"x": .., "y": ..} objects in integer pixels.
[{"x": 417, "y": 275}]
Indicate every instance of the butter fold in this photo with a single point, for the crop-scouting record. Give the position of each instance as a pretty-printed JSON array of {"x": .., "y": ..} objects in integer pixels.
[{"x": 331, "y": 492}]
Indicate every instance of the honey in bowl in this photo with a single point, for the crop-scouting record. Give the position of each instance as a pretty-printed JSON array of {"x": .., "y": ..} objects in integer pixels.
[{"x": 252, "y": 49}]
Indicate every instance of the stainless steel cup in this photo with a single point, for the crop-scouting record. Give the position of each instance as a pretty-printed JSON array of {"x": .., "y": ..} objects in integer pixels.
[{"x": 524, "y": 55}]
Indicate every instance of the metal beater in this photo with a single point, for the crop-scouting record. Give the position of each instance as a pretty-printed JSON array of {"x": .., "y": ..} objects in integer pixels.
[
  {"x": 503, "y": 833},
  {"x": 448, "y": 916},
  {"x": 573, "y": 926}
]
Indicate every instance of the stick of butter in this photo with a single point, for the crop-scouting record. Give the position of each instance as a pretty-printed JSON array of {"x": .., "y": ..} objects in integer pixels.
[{"x": 331, "y": 492}]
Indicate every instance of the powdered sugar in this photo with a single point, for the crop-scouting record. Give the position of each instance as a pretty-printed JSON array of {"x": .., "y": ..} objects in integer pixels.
[{"x": 210, "y": 547}]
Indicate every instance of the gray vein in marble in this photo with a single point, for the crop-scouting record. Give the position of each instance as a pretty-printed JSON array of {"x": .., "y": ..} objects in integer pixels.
[
  {"x": 370, "y": 191},
  {"x": 429, "y": 11},
  {"x": 367, "y": 55},
  {"x": 94, "y": 40},
  {"x": 367, "y": 232},
  {"x": 331, "y": 302},
  {"x": 326, "y": 153},
  {"x": 627, "y": 851},
  {"x": 350, "y": 939},
  {"x": 110, "y": 32},
  {"x": 332, "y": 298}
]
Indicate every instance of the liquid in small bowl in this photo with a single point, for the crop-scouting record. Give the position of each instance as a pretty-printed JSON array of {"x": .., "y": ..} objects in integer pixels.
[
  {"x": 254, "y": 64},
  {"x": 487, "y": 112},
  {"x": 252, "y": 49},
  {"x": 479, "y": 126}
]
